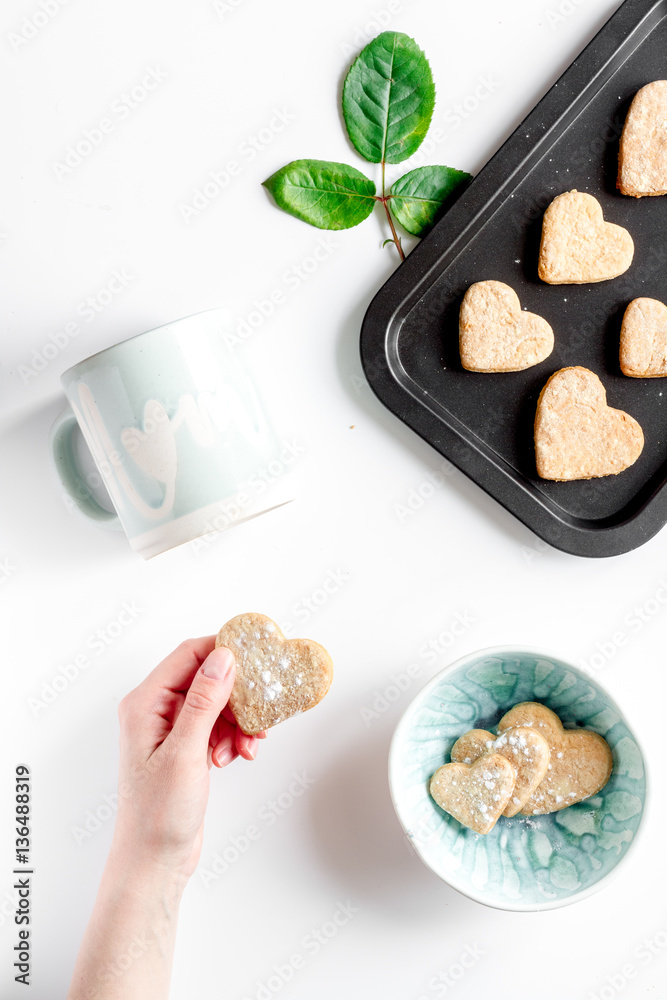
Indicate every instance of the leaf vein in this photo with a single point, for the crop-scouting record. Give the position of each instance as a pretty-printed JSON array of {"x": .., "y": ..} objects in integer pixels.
[
  {"x": 323, "y": 191},
  {"x": 386, "y": 121}
]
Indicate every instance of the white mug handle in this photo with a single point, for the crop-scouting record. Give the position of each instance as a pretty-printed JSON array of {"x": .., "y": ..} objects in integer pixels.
[{"x": 62, "y": 452}]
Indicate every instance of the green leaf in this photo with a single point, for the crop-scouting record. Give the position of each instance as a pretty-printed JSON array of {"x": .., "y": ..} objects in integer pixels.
[
  {"x": 388, "y": 98},
  {"x": 327, "y": 195},
  {"x": 417, "y": 197}
]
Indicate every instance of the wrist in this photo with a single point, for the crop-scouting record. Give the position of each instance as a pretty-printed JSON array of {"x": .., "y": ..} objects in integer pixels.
[
  {"x": 152, "y": 848},
  {"x": 132, "y": 931},
  {"x": 132, "y": 867}
]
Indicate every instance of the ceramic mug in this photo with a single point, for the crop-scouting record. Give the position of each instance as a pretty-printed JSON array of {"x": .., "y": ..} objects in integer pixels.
[{"x": 177, "y": 432}]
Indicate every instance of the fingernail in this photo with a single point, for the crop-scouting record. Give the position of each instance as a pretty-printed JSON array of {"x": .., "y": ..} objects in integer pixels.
[
  {"x": 224, "y": 756},
  {"x": 218, "y": 663},
  {"x": 251, "y": 752}
]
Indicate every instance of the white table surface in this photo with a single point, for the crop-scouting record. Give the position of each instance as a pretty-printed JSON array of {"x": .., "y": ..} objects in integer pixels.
[{"x": 396, "y": 582}]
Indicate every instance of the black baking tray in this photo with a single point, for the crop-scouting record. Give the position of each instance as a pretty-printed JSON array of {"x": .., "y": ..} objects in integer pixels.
[{"x": 484, "y": 423}]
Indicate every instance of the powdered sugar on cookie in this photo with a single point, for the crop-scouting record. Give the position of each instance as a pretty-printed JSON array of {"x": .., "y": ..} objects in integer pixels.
[
  {"x": 276, "y": 677},
  {"x": 526, "y": 750}
]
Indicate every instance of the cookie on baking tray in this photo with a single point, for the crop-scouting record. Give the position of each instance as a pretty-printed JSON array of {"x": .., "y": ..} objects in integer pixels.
[
  {"x": 496, "y": 335},
  {"x": 643, "y": 348},
  {"x": 642, "y": 154},
  {"x": 577, "y": 435},
  {"x": 578, "y": 246}
]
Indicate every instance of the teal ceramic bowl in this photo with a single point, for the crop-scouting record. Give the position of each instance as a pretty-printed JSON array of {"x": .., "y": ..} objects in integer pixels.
[{"x": 527, "y": 862}]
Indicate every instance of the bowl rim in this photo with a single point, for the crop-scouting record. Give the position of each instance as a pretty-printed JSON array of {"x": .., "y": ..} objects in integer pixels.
[{"x": 402, "y": 725}]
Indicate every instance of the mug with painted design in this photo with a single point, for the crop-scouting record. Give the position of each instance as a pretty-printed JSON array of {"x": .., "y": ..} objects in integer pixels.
[{"x": 178, "y": 433}]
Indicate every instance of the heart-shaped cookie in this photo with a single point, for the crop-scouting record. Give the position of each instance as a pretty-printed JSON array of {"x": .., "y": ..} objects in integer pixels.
[
  {"x": 577, "y": 436},
  {"x": 525, "y": 749},
  {"x": 642, "y": 154},
  {"x": 495, "y": 335},
  {"x": 643, "y": 352},
  {"x": 580, "y": 761},
  {"x": 578, "y": 246},
  {"x": 276, "y": 677},
  {"x": 475, "y": 794}
]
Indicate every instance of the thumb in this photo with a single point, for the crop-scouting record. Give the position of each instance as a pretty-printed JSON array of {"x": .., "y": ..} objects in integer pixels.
[{"x": 206, "y": 698}]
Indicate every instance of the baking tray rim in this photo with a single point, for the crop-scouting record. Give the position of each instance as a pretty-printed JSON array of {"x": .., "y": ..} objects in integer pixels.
[{"x": 530, "y": 141}]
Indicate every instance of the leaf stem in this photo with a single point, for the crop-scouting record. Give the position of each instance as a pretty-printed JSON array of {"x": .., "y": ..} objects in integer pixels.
[{"x": 384, "y": 199}]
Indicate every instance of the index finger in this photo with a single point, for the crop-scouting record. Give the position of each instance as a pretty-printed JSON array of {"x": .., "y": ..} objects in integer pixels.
[{"x": 176, "y": 672}]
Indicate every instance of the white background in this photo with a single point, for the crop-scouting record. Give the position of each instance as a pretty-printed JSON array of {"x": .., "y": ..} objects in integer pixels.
[{"x": 402, "y": 580}]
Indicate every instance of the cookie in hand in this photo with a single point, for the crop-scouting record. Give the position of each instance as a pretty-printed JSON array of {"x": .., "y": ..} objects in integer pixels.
[{"x": 276, "y": 677}]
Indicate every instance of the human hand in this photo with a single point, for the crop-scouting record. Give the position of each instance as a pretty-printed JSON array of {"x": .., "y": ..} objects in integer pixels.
[{"x": 173, "y": 726}]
